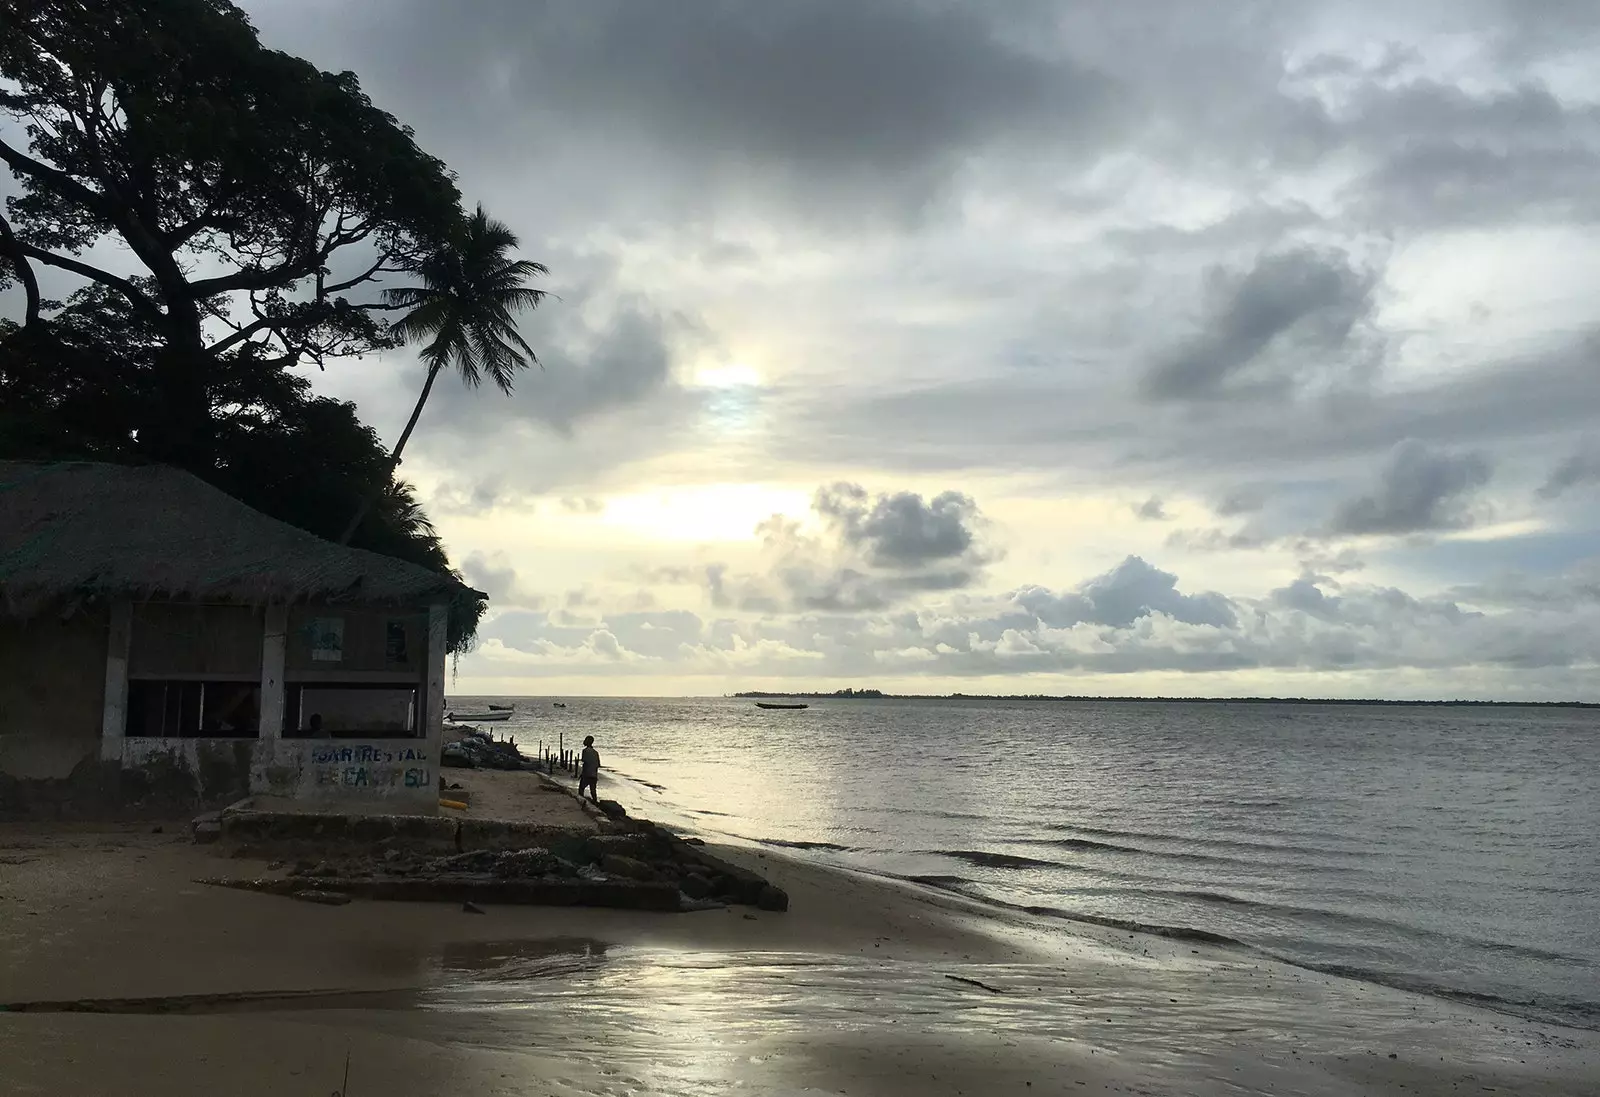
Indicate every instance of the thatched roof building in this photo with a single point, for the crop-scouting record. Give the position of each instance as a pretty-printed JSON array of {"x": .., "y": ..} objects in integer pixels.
[{"x": 76, "y": 529}]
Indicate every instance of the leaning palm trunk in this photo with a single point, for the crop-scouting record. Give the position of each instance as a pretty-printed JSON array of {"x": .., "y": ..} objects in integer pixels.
[
  {"x": 464, "y": 308},
  {"x": 379, "y": 489}
]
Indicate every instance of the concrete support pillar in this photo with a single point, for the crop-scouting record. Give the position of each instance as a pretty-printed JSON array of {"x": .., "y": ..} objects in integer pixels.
[
  {"x": 433, "y": 692},
  {"x": 272, "y": 688},
  {"x": 114, "y": 716}
]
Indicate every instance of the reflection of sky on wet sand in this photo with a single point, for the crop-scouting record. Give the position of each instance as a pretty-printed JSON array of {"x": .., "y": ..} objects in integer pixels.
[{"x": 671, "y": 1022}]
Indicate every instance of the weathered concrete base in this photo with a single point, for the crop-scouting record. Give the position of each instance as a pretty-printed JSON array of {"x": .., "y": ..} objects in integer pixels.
[
  {"x": 97, "y": 791},
  {"x": 476, "y": 889},
  {"x": 286, "y": 831},
  {"x": 642, "y": 853}
]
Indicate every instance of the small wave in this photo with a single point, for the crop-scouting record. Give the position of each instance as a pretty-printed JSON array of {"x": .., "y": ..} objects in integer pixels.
[
  {"x": 930, "y": 813},
  {"x": 1204, "y": 840},
  {"x": 1216, "y": 897},
  {"x": 1578, "y": 1012},
  {"x": 1088, "y": 844},
  {"x": 1155, "y": 929},
  {"x": 781, "y": 843},
  {"x": 717, "y": 814},
  {"x": 994, "y": 860},
  {"x": 946, "y": 883},
  {"x": 1245, "y": 802}
]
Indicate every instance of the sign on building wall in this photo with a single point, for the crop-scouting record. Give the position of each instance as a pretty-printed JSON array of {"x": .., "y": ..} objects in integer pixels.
[{"x": 327, "y": 639}]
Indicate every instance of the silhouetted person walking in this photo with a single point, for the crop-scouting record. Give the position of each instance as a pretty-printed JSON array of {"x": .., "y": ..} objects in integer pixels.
[{"x": 589, "y": 769}]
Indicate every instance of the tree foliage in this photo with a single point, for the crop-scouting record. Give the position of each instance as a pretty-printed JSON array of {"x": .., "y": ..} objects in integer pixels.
[
  {"x": 259, "y": 208},
  {"x": 465, "y": 307}
]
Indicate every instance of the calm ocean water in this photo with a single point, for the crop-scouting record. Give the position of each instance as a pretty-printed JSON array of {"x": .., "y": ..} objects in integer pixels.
[{"x": 1453, "y": 851}]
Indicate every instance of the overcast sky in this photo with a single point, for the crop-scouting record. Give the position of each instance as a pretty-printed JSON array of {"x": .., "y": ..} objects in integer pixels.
[{"x": 1093, "y": 347}]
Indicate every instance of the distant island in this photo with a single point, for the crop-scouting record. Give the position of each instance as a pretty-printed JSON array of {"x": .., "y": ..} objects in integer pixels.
[{"x": 879, "y": 695}]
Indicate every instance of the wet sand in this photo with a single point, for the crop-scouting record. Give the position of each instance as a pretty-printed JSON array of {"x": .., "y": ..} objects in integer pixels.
[{"x": 864, "y": 987}]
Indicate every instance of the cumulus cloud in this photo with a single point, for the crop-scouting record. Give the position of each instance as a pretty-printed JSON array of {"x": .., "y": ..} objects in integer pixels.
[
  {"x": 1418, "y": 489},
  {"x": 901, "y": 530},
  {"x": 1131, "y": 590},
  {"x": 870, "y": 552},
  {"x": 1132, "y": 619}
]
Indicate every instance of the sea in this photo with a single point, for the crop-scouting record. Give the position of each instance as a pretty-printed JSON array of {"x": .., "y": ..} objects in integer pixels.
[{"x": 1452, "y": 851}]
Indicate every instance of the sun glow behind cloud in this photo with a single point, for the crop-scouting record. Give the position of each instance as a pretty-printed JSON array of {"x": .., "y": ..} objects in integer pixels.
[{"x": 702, "y": 513}]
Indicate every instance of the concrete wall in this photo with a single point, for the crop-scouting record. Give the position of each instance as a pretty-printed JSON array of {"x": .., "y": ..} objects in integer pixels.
[
  {"x": 52, "y": 691},
  {"x": 369, "y": 641},
  {"x": 392, "y": 775},
  {"x": 182, "y": 640}
]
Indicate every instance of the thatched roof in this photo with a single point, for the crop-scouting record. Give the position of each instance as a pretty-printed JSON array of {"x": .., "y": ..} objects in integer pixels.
[{"x": 76, "y": 528}]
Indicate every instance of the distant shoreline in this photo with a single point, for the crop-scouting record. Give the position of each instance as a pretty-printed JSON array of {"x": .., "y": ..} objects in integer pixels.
[{"x": 876, "y": 695}]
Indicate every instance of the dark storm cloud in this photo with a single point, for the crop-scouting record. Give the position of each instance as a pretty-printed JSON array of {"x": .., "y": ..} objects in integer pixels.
[
  {"x": 812, "y": 97},
  {"x": 1418, "y": 489},
  {"x": 1302, "y": 302}
]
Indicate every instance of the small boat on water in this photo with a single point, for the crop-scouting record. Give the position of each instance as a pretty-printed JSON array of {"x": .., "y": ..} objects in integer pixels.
[
  {"x": 479, "y": 717},
  {"x": 501, "y": 708},
  {"x": 560, "y": 704},
  {"x": 776, "y": 704}
]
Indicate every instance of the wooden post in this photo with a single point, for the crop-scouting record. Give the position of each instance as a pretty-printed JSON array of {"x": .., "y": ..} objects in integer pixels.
[
  {"x": 273, "y": 638},
  {"x": 114, "y": 713}
]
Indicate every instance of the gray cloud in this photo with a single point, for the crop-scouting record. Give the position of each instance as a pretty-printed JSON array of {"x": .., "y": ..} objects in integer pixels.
[
  {"x": 953, "y": 240},
  {"x": 494, "y": 574},
  {"x": 1242, "y": 500},
  {"x": 1300, "y": 303},
  {"x": 873, "y": 553},
  {"x": 1418, "y": 489},
  {"x": 812, "y": 101},
  {"x": 1131, "y": 590},
  {"x": 594, "y": 362},
  {"x": 1151, "y": 510},
  {"x": 1130, "y": 620},
  {"x": 1580, "y": 467},
  {"x": 900, "y": 530}
]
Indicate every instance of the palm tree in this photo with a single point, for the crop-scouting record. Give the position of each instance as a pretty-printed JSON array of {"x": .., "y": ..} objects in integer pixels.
[{"x": 465, "y": 307}]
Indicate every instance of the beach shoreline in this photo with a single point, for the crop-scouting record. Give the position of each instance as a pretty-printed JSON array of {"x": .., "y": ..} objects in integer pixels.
[{"x": 859, "y": 987}]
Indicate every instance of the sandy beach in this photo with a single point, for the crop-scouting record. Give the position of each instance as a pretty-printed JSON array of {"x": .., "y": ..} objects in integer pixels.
[{"x": 135, "y": 980}]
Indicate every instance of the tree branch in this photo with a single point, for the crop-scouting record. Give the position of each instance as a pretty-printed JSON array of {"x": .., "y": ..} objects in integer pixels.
[
  {"x": 10, "y": 247},
  {"x": 24, "y": 164},
  {"x": 133, "y": 293},
  {"x": 241, "y": 335},
  {"x": 357, "y": 280}
]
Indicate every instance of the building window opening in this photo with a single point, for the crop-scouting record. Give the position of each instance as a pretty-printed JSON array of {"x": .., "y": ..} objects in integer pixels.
[{"x": 192, "y": 710}]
